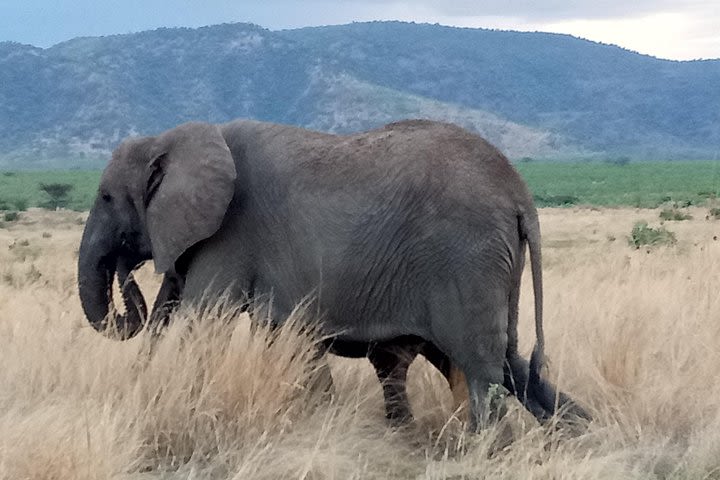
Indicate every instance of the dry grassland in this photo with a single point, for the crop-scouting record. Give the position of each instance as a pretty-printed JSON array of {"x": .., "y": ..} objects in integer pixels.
[{"x": 633, "y": 334}]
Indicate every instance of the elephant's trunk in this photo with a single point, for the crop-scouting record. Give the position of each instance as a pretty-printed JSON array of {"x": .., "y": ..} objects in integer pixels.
[{"x": 96, "y": 271}]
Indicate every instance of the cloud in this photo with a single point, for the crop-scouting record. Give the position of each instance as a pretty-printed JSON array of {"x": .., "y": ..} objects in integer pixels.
[
  {"x": 529, "y": 9},
  {"x": 679, "y": 29}
]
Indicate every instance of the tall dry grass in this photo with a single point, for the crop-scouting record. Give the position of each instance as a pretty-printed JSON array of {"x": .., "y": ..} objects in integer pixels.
[{"x": 633, "y": 334}]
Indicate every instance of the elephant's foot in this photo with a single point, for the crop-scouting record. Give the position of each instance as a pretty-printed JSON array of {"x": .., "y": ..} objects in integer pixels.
[{"x": 398, "y": 414}]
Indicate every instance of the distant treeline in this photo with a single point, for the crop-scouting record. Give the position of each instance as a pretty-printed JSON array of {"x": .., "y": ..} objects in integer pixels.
[{"x": 636, "y": 184}]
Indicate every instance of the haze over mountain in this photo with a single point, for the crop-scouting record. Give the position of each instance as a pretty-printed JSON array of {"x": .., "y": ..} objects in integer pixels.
[{"x": 532, "y": 94}]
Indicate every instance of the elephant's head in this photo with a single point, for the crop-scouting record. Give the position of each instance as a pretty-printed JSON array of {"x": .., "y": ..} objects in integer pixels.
[{"x": 158, "y": 196}]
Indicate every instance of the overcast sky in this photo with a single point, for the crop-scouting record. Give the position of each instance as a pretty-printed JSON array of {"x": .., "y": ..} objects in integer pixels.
[{"x": 680, "y": 29}]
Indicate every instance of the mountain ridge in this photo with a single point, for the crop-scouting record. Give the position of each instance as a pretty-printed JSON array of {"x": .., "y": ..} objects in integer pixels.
[{"x": 533, "y": 94}]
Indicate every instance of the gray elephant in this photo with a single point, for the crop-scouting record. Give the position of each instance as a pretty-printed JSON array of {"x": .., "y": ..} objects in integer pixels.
[{"x": 409, "y": 238}]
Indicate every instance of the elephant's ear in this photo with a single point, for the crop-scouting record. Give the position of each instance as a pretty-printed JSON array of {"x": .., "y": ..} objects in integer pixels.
[{"x": 190, "y": 182}]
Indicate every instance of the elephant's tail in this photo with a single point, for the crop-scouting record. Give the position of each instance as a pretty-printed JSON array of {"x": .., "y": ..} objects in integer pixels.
[
  {"x": 540, "y": 392},
  {"x": 530, "y": 229}
]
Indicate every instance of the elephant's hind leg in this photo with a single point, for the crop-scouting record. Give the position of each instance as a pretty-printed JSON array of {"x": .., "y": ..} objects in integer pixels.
[
  {"x": 516, "y": 368},
  {"x": 556, "y": 402},
  {"x": 543, "y": 400},
  {"x": 475, "y": 339},
  {"x": 483, "y": 374},
  {"x": 516, "y": 381},
  {"x": 454, "y": 376}
]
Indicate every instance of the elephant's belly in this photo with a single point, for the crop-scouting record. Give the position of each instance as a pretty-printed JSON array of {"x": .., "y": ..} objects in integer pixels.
[
  {"x": 360, "y": 318},
  {"x": 341, "y": 313}
]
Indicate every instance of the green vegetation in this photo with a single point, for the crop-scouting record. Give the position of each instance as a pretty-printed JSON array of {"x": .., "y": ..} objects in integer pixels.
[
  {"x": 19, "y": 204},
  {"x": 673, "y": 214},
  {"x": 10, "y": 216},
  {"x": 20, "y": 190},
  {"x": 57, "y": 195},
  {"x": 636, "y": 184},
  {"x": 562, "y": 200},
  {"x": 642, "y": 235},
  {"x": 538, "y": 94},
  {"x": 714, "y": 213}
]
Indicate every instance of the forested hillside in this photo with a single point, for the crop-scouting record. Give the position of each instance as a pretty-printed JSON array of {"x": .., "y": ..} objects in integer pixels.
[{"x": 532, "y": 94}]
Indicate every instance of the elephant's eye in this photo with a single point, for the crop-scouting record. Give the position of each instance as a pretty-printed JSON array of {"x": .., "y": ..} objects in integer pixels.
[{"x": 106, "y": 197}]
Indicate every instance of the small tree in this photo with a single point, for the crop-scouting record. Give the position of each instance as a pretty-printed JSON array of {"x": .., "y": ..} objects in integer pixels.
[
  {"x": 58, "y": 195},
  {"x": 620, "y": 161}
]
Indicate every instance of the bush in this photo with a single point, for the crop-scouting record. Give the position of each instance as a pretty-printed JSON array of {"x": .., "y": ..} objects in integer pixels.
[
  {"x": 714, "y": 213},
  {"x": 673, "y": 214},
  {"x": 57, "y": 193},
  {"x": 642, "y": 234},
  {"x": 707, "y": 194},
  {"x": 11, "y": 216},
  {"x": 556, "y": 200},
  {"x": 21, "y": 204},
  {"x": 618, "y": 161}
]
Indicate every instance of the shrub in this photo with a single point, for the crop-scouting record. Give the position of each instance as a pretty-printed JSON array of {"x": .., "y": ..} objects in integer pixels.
[
  {"x": 556, "y": 200},
  {"x": 11, "y": 216},
  {"x": 673, "y": 214},
  {"x": 714, "y": 213},
  {"x": 707, "y": 194},
  {"x": 57, "y": 193},
  {"x": 618, "y": 161},
  {"x": 642, "y": 234},
  {"x": 21, "y": 204}
]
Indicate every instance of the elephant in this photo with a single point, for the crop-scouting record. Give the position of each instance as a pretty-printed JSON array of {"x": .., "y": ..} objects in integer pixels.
[
  {"x": 391, "y": 360},
  {"x": 409, "y": 239}
]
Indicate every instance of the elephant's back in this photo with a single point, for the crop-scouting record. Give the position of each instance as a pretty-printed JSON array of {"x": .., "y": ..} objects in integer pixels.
[
  {"x": 450, "y": 163},
  {"x": 441, "y": 159}
]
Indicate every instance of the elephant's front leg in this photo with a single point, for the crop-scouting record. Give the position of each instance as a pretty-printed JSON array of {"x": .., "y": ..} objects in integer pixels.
[
  {"x": 391, "y": 366},
  {"x": 167, "y": 300},
  {"x": 392, "y": 360}
]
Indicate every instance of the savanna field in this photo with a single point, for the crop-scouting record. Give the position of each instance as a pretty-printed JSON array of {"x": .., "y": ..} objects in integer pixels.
[{"x": 632, "y": 333}]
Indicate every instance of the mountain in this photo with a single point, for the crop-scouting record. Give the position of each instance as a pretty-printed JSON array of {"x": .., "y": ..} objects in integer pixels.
[{"x": 532, "y": 94}]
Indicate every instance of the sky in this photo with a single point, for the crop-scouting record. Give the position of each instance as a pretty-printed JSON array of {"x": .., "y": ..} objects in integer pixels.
[{"x": 671, "y": 29}]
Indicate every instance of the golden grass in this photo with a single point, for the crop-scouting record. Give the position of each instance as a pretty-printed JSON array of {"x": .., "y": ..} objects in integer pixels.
[{"x": 633, "y": 334}]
